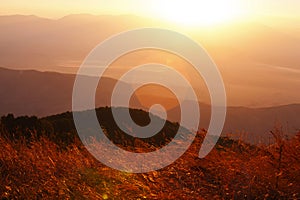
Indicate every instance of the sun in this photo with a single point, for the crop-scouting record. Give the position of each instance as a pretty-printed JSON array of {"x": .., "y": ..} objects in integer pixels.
[{"x": 199, "y": 12}]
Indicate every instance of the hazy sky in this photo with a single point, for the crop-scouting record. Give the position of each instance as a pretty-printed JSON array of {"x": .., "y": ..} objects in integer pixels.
[{"x": 59, "y": 8}]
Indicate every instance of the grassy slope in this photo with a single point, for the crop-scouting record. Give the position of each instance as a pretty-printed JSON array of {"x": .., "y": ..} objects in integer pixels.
[{"x": 232, "y": 170}]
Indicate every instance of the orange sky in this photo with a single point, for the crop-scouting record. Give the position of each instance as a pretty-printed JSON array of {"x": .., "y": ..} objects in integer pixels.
[{"x": 59, "y": 8}]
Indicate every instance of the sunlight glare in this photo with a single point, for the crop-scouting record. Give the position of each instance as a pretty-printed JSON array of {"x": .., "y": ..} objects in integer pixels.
[{"x": 199, "y": 12}]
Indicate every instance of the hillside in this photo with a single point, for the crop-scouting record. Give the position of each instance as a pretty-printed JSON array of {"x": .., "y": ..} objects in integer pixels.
[{"x": 41, "y": 158}]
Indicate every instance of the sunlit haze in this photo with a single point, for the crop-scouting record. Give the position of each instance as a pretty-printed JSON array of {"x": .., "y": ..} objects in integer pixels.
[
  {"x": 200, "y": 13},
  {"x": 180, "y": 11},
  {"x": 248, "y": 40}
]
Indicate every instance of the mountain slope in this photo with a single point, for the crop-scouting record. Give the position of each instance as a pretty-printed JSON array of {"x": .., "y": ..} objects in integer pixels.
[
  {"x": 31, "y": 92},
  {"x": 46, "y": 93},
  {"x": 252, "y": 125}
]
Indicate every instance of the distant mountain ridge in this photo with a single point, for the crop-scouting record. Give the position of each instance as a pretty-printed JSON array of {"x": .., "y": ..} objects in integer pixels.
[
  {"x": 47, "y": 93},
  {"x": 29, "y": 92}
]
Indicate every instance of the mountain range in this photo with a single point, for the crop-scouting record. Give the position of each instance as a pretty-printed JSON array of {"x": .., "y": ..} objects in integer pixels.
[{"x": 29, "y": 92}]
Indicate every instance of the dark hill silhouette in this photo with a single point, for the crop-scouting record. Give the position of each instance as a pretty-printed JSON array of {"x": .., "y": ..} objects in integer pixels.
[{"x": 61, "y": 128}]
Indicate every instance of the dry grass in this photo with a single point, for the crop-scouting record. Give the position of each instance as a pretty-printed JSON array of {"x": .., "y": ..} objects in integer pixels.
[{"x": 233, "y": 170}]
